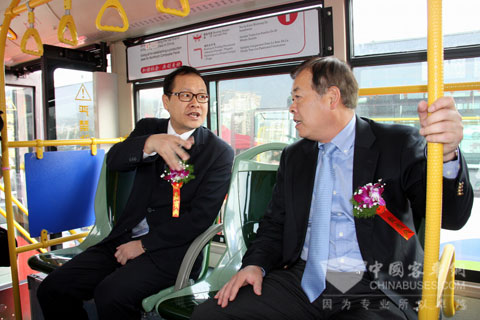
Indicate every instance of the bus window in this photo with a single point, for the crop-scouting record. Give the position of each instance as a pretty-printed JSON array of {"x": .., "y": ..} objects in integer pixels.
[
  {"x": 254, "y": 111},
  {"x": 213, "y": 107},
  {"x": 461, "y": 25},
  {"x": 150, "y": 104},
  {"x": 75, "y": 108},
  {"x": 20, "y": 127},
  {"x": 401, "y": 108},
  {"x": 455, "y": 70}
]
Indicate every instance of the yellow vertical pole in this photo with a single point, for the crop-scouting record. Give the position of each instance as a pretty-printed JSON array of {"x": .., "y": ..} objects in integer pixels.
[
  {"x": 429, "y": 310},
  {"x": 9, "y": 15}
]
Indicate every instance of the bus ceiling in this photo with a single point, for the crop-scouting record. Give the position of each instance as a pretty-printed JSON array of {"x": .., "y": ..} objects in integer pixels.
[{"x": 142, "y": 18}]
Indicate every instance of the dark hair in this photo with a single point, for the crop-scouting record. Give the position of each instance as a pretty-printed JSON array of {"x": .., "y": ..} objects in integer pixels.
[
  {"x": 170, "y": 78},
  {"x": 328, "y": 72}
]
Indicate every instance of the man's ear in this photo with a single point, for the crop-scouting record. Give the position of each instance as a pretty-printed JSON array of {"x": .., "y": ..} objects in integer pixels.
[
  {"x": 335, "y": 96},
  {"x": 166, "y": 101}
]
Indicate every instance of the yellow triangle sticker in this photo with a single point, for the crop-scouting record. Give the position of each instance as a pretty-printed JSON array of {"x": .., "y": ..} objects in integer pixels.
[{"x": 82, "y": 94}]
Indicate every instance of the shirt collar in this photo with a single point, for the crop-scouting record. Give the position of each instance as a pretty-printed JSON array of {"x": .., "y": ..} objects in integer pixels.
[
  {"x": 345, "y": 139},
  {"x": 184, "y": 135}
]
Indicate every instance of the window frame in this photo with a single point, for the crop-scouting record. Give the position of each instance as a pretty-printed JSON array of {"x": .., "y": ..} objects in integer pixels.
[{"x": 396, "y": 58}]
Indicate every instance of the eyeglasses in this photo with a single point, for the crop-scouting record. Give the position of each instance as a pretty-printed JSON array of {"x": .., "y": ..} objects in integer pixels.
[{"x": 186, "y": 96}]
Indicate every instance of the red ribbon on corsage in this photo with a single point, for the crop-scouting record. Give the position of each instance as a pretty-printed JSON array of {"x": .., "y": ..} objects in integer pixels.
[
  {"x": 367, "y": 202},
  {"x": 177, "y": 179},
  {"x": 394, "y": 222},
  {"x": 176, "y": 199}
]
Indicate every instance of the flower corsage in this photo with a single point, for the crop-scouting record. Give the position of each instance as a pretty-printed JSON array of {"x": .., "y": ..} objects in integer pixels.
[
  {"x": 367, "y": 199},
  {"x": 177, "y": 179},
  {"x": 367, "y": 202}
]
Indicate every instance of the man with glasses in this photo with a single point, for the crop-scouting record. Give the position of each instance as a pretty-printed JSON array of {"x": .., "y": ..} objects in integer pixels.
[{"x": 143, "y": 252}]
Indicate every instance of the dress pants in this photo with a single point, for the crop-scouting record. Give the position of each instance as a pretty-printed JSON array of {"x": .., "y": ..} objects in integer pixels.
[
  {"x": 117, "y": 290},
  {"x": 283, "y": 298}
]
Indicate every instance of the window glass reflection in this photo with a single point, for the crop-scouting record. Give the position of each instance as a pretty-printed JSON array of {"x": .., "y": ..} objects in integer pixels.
[{"x": 254, "y": 111}]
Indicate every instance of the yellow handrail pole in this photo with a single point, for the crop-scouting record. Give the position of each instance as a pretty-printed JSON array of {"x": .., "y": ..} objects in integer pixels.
[
  {"x": 429, "y": 309},
  {"x": 9, "y": 15},
  {"x": 16, "y": 9},
  {"x": 44, "y": 243},
  {"x": 24, "y": 232},
  {"x": 416, "y": 119},
  {"x": 20, "y": 229},
  {"x": 52, "y": 143},
  {"x": 460, "y": 86},
  {"x": 15, "y": 200}
]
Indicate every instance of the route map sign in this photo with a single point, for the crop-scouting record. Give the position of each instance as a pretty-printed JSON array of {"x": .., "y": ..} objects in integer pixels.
[{"x": 286, "y": 36}]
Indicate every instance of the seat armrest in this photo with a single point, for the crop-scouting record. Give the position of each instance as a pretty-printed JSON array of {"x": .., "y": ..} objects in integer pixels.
[{"x": 192, "y": 253}]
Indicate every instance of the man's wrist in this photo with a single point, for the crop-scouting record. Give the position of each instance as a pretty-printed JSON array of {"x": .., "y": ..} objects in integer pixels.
[{"x": 452, "y": 156}]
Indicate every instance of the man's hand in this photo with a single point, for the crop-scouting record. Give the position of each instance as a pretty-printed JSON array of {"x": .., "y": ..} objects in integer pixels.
[
  {"x": 443, "y": 125},
  {"x": 169, "y": 147},
  {"x": 129, "y": 251},
  {"x": 252, "y": 275}
]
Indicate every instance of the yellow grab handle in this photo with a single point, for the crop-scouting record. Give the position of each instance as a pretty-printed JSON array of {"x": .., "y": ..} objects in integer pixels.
[
  {"x": 182, "y": 13},
  {"x": 67, "y": 23},
  {"x": 11, "y": 35},
  {"x": 32, "y": 32},
  {"x": 115, "y": 5}
]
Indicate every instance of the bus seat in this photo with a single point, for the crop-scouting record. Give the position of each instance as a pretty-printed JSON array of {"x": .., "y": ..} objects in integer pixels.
[
  {"x": 251, "y": 186},
  {"x": 111, "y": 195}
]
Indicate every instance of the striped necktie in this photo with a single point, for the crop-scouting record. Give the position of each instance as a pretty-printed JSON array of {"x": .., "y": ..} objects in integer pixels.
[{"x": 313, "y": 280}]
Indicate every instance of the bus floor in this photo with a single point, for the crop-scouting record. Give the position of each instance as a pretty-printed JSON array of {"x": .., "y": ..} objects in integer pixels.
[{"x": 7, "y": 305}]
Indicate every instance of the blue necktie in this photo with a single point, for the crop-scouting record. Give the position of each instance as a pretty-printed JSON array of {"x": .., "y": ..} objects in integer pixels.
[{"x": 313, "y": 280}]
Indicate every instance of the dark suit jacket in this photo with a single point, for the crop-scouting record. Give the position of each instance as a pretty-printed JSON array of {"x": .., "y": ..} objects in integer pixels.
[
  {"x": 393, "y": 153},
  {"x": 201, "y": 198}
]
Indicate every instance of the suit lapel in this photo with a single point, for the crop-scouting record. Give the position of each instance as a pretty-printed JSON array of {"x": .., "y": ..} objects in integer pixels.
[
  {"x": 364, "y": 166},
  {"x": 199, "y": 135},
  {"x": 162, "y": 126}
]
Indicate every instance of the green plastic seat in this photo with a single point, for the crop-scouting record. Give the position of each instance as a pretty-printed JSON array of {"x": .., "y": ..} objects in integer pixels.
[
  {"x": 253, "y": 178},
  {"x": 113, "y": 189}
]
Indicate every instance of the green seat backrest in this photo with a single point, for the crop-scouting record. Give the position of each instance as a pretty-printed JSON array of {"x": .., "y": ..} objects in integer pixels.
[
  {"x": 253, "y": 178},
  {"x": 259, "y": 187},
  {"x": 119, "y": 188}
]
